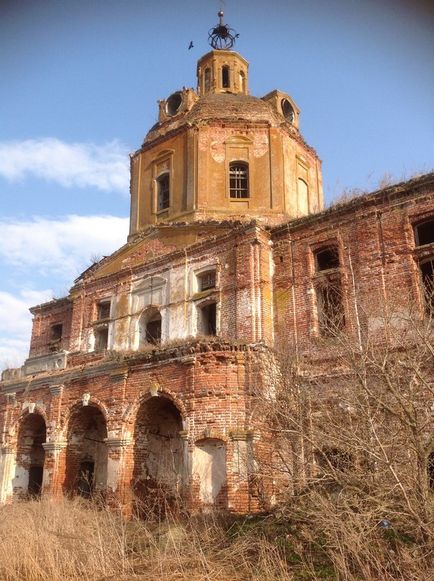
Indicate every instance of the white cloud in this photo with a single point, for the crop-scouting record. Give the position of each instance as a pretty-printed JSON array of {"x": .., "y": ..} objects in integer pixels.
[
  {"x": 105, "y": 167},
  {"x": 16, "y": 324},
  {"x": 59, "y": 247}
]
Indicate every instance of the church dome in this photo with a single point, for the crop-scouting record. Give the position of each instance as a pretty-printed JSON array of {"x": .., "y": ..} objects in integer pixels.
[{"x": 222, "y": 107}]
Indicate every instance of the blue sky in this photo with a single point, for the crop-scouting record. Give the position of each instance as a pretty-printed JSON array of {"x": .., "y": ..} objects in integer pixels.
[{"x": 79, "y": 84}]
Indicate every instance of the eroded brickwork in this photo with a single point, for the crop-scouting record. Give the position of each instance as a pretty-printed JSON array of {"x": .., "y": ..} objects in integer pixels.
[{"x": 150, "y": 383}]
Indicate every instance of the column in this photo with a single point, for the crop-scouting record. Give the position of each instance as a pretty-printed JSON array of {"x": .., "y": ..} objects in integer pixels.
[
  {"x": 118, "y": 454},
  {"x": 7, "y": 465},
  {"x": 243, "y": 495},
  {"x": 54, "y": 467}
]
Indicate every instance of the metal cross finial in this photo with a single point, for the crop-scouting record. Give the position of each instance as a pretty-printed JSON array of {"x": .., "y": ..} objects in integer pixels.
[{"x": 221, "y": 37}]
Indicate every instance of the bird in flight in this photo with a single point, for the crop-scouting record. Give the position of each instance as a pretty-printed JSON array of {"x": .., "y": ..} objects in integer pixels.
[{"x": 191, "y": 45}]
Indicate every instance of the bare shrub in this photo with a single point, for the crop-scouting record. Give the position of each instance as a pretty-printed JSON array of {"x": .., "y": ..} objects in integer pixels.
[{"x": 354, "y": 447}]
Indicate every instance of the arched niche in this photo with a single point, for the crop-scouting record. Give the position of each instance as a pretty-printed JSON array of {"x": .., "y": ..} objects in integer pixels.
[
  {"x": 158, "y": 473},
  {"x": 210, "y": 472},
  {"x": 29, "y": 468},
  {"x": 86, "y": 452}
]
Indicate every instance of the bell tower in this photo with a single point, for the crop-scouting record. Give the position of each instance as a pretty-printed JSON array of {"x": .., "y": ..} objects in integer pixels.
[
  {"x": 222, "y": 71},
  {"x": 218, "y": 153}
]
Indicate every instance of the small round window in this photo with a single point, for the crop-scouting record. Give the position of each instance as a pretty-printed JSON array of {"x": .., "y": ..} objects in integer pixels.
[
  {"x": 288, "y": 110},
  {"x": 173, "y": 104}
]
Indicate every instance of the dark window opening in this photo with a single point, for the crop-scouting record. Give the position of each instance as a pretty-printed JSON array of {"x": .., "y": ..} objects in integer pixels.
[
  {"x": 207, "y": 80},
  {"x": 430, "y": 470},
  {"x": 103, "y": 310},
  {"x": 288, "y": 110},
  {"x": 207, "y": 280},
  {"x": 36, "y": 474},
  {"x": 327, "y": 259},
  {"x": 239, "y": 180},
  {"x": 208, "y": 319},
  {"x": 163, "y": 192},
  {"x": 173, "y": 103},
  {"x": 427, "y": 273},
  {"x": 330, "y": 309},
  {"x": 424, "y": 233},
  {"x": 56, "y": 332},
  {"x": 85, "y": 479},
  {"x": 101, "y": 339},
  {"x": 153, "y": 330},
  {"x": 225, "y": 77}
]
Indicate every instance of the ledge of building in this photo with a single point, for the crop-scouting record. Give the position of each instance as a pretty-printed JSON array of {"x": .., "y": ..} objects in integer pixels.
[
  {"x": 397, "y": 193},
  {"x": 94, "y": 364}
]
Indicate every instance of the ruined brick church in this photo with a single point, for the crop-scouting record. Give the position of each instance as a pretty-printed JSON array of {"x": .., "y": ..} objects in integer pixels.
[{"x": 148, "y": 376}]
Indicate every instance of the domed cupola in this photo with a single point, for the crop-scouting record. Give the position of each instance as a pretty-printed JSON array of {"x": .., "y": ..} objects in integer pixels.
[{"x": 219, "y": 153}]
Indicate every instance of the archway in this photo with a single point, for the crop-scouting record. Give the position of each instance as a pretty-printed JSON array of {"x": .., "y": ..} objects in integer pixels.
[
  {"x": 158, "y": 456},
  {"x": 30, "y": 458},
  {"x": 86, "y": 452}
]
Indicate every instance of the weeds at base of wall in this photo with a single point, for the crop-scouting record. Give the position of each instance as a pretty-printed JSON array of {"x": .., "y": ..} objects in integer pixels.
[
  {"x": 60, "y": 539},
  {"x": 54, "y": 540}
]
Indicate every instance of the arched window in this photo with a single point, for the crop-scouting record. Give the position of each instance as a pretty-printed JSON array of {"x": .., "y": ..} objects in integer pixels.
[
  {"x": 163, "y": 191},
  {"x": 226, "y": 81},
  {"x": 207, "y": 80},
  {"x": 238, "y": 179}
]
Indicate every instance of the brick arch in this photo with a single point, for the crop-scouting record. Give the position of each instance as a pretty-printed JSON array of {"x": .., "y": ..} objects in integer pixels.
[
  {"x": 86, "y": 453},
  {"x": 157, "y": 476},
  {"x": 67, "y": 414},
  {"x": 213, "y": 435},
  {"x": 130, "y": 414},
  {"x": 13, "y": 432},
  {"x": 31, "y": 434}
]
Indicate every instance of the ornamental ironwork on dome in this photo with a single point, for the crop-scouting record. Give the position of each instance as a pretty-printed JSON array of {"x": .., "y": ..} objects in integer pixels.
[{"x": 221, "y": 36}]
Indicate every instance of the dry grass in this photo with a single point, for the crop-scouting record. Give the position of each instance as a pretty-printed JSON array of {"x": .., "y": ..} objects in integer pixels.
[
  {"x": 314, "y": 537},
  {"x": 71, "y": 539}
]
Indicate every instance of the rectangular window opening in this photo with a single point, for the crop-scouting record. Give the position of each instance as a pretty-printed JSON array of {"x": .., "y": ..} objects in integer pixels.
[
  {"x": 424, "y": 233},
  {"x": 153, "y": 332},
  {"x": 101, "y": 339},
  {"x": 238, "y": 180},
  {"x": 331, "y": 317},
  {"x": 327, "y": 259},
  {"x": 427, "y": 273},
  {"x": 85, "y": 479},
  {"x": 208, "y": 319},
  {"x": 103, "y": 310},
  {"x": 206, "y": 280},
  {"x": 56, "y": 332},
  {"x": 225, "y": 77},
  {"x": 163, "y": 192},
  {"x": 36, "y": 474}
]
